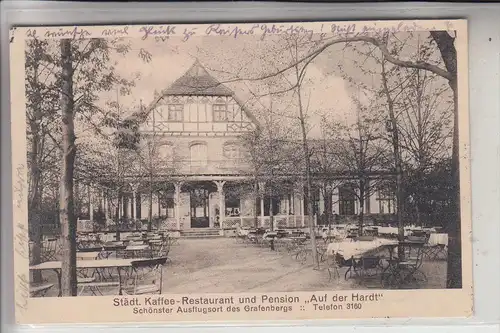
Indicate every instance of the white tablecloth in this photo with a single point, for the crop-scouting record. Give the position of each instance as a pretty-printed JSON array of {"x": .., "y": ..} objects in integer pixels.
[
  {"x": 350, "y": 249},
  {"x": 391, "y": 231},
  {"x": 438, "y": 239}
]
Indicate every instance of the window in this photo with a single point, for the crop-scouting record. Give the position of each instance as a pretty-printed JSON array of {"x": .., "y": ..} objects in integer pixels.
[
  {"x": 198, "y": 154},
  {"x": 232, "y": 201},
  {"x": 232, "y": 206},
  {"x": 167, "y": 203},
  {"x": 166, "y": 153},
  {"x": 347, "y": 200},
  {"x": 386, "y": 201},
  {"x": 267, "y": 200},
  {"x": 315, "y": 204},
  {"x": 175, "y": 112},
  {"x": 220, "y": 110},
  {"x": 232, "y": 151}
]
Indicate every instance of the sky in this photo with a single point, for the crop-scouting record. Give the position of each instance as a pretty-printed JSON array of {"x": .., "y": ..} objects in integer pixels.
[{"x": 324, "y": 90}]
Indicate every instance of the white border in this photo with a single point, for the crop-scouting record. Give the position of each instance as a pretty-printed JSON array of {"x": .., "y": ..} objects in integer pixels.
[{"x": 484, "y": 83}]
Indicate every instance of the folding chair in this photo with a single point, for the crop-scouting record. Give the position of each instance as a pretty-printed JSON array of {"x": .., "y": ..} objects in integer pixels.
[
  {"x": 402, "y": 271},
  {"x": 334, "y": 262},
  {"x": 49, "y": 249},
  {"x": 87, "y": 279},
  {"x": 435, "y": 251},
  {"x": 147, "y": 277}
]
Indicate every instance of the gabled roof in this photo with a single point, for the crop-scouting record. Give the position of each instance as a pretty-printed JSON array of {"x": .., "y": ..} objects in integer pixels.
[{"x": 197, "y": 81}]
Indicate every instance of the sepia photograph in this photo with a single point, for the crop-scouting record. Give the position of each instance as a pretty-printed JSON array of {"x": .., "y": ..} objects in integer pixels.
[{"x": 253, "y": 159}]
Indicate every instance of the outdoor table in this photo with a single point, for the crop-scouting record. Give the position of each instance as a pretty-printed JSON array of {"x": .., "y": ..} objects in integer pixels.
[
  {"x": 55, "y": 266},
  {"x": 295, "y": 238},
  {"x": 90, "y": 249},
  {"x": 270, "y": 234},
  {"x": 392, "y": 231},
  {"x": 111, "y": 248},
  {"x": 137, "y": 247},
  {"x": 349, "y": 249},
  {"x": 352, "y": 251},
  {"x": 438, "y": 239}
]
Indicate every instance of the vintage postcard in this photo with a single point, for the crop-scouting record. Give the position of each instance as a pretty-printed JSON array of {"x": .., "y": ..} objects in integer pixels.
[{"x": 241, "y": 172}]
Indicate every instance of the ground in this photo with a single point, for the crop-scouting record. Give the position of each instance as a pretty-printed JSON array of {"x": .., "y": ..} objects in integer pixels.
[
  {"x": 224, "y": 265},
  {"x": 218, "y": 265}
]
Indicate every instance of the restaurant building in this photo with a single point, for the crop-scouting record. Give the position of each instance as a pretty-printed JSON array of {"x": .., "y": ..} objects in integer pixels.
[{"x": 206, "y": 179}]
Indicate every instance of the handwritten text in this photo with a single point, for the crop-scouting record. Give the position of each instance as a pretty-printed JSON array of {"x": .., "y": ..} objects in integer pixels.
[
  {"x": 22, "y": 291},
  {"x": 20, "y": 186},
  {"x": 151, "y": 30},
  {"x": 70, "y": 33}
]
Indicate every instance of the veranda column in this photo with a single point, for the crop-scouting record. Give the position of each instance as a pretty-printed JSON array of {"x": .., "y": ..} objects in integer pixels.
[
  {"x": 288, "y": 210},
  {"x": 222, "y": 202},
  {"x": 122, "y": 207},
  {"x": 133, "y": 208},
  {"x": 103, "y": 198},
  {"x": 262, "y": 188},
  {"x": 177, "y": 198},
  {"x": 91, "y": 204},
  {"x": 302, "y": 210}
]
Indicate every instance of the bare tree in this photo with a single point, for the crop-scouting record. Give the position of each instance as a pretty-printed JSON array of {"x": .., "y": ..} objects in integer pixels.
[
  {"x": 271, "y": 152},
  {"x": 425, "y": 130},
  {"x": 66, "y": 205},
  {"x": 82, "y": 69},
  {"x": 157, "y": 159},
  {"x": 361, "y": 153},
  {"x": 326, "y": 166},
  {"x": 41, "y": 119}
]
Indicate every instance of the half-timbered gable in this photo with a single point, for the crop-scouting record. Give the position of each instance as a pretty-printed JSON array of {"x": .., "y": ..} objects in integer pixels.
[{"x": 197, "y": 104}]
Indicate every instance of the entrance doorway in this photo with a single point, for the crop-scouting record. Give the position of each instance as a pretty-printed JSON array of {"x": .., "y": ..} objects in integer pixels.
[{"x": 200, "y": 216}]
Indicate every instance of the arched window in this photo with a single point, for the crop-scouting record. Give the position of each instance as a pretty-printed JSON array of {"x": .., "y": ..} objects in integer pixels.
[
  {"x": 220, "y": 110},
  {"x": 231, "y": 150},
  {"x": 166, "y": 153},
  {"x": 198, "y": 154}
]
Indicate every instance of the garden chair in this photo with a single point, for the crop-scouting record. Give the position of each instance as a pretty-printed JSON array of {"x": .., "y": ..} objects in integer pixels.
[
  {"x": 363, "y": 267},
  {"x": 87, "y": 279},
  {"x": 334, "y": 262},
  {"x": 434, "y": 251},
  {"x": 49, "y": 249},
  {"x": 146, "y": 277},
  {"x": 402, "y": 272}
]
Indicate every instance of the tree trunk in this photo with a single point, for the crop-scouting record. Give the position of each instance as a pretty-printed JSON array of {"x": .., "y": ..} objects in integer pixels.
[
  {"x": 271, "y": 214},
  {"x": 255, "y": 197},
  {"x": 119, "y": 216},
  {"x": 34, "y": 213},
  {"x": 397, "y": 161},
  {"x": 362, "y": 187},
  {"x": 66, "y": 210},
  {"x": 34, "y": 199},
  {"x": 448, "y": 52},
  {"x": 328, "y": 205},
  {"x": 454, "y": 267},
  {"x": 150, "y": 203},
  {"x": 305, "y": 148}
]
